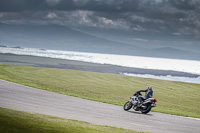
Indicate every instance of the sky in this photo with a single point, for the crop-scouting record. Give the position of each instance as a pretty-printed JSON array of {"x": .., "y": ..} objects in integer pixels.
[{"x": 178, "y": 19}]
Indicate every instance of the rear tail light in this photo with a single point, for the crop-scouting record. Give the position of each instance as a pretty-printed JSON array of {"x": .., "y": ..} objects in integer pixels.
[{"x": 155, "y": 100}]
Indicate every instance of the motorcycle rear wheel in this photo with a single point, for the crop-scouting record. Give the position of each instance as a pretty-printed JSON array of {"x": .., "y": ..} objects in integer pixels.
[
  {"x": 147, "y": 109},
  {"x": 128, "y": 105}
]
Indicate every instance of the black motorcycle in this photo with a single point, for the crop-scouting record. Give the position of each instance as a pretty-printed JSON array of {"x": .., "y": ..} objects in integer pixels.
[{"x": 144, "y": 107}]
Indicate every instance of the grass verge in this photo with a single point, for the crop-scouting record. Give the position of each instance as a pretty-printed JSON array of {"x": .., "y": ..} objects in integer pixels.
[
  {"x": 176, "y": 98},
  {"x": 22, "y": 122}
]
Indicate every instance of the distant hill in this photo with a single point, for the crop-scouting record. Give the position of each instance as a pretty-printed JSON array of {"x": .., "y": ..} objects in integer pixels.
[
  {"x": 65, "y": 38},
  {"x": 59, "y": 37},
  {"x": 172, "y": 52}
]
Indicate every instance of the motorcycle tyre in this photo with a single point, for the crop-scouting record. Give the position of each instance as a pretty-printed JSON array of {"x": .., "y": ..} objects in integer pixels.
[
  {"x": 129, "y": 107},
  {"x": 145, "y": 111}
]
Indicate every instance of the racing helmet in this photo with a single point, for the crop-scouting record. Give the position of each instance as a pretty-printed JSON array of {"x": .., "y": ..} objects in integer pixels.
[{"x": 150, "y": 88}]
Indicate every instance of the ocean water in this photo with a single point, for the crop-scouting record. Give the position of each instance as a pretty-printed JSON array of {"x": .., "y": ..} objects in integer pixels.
[
  {"x": 188, "y": 66},
  {"x": 168, "y": 77}
]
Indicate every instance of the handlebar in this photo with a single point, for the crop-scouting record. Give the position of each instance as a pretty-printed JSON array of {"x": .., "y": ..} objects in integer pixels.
[{"x": 137, "y": 93}]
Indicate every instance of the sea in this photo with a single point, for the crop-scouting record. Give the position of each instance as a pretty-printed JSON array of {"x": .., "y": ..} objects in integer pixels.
[{"x": 188, "y": 66}]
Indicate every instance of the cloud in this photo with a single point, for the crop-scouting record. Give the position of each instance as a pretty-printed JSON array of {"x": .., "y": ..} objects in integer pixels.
[
  {"x": 1, "y": 15},
  {"x": 52, "y": 2},
  {"x": 139, "y": 39},
  {"x": 51, "y": 15},
  {"x": 185, "y": 4},
  {"x": 20, "y": 5},
  {"x": 153, "y": 16}
]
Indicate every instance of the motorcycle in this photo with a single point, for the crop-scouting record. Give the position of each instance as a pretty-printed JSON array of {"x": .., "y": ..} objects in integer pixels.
[{"x": 144, "y": 107}]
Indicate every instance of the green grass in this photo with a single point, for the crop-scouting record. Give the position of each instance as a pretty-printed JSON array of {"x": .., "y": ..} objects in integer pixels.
[
  {"x": 173, "y": 97},
  {"x": 22, "y": 122}
]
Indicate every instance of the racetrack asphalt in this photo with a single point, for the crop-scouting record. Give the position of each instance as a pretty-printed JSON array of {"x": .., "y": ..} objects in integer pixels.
[{"x": 23, "y": 98}]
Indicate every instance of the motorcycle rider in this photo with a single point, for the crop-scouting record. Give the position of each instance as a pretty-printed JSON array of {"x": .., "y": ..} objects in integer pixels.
[{"x": 148, "y": 94}]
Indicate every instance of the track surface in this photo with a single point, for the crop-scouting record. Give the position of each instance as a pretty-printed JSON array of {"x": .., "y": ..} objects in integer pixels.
[{"x": 19, "y": 97}]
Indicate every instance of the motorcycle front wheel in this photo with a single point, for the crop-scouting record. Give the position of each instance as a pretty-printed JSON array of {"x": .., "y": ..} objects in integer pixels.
[
  {"x": 146, "y": 109},
  {"x": 127, "y": 106}
]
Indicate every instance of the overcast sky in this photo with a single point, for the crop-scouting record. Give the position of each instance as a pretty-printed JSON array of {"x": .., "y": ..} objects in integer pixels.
[{"x": 171, "y": 17}]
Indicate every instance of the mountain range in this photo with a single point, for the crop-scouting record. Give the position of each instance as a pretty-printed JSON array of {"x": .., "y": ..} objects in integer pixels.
[{"x": 69, "y": 39}]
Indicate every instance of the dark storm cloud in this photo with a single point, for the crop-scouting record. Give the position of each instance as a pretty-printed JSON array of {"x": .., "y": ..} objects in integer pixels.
[
  {"x": 98, "y": 5},
  {"x": 162, "y": 16},
  {"x": 109, "y": 5},
  {"x": 66, "y": 5},
  {"x": 19, "y": 5},
  {"x": 24, "y": 5},
  {"x": 185, "y": 4}
]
